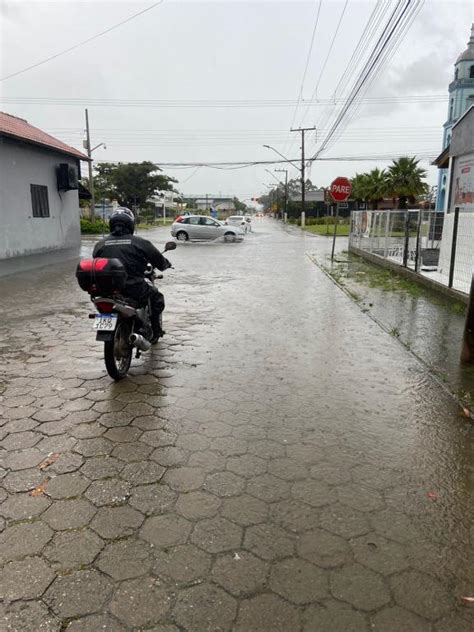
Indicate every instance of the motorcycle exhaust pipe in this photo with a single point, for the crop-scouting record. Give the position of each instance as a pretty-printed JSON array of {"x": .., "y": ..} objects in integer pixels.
[{"x": 140, "y": 342}]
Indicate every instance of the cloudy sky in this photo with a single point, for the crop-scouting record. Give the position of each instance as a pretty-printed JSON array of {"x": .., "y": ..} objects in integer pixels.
[{"x": 235, "y": 72}]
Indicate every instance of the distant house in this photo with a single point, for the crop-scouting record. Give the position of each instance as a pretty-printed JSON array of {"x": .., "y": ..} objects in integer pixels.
[
  {"x": 39, "y": 191},
  {"x": 223, "y": 205}
]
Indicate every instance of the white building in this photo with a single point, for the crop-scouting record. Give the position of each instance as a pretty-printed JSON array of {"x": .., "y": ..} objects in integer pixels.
[
  {"x": 458, "y": 158},
  {"x": 39, "y": 202},
  {"x": 461, "y": 98}
]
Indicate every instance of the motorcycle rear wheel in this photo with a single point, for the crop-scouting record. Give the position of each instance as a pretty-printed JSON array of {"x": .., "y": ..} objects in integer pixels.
[{"x": 118, "y": 352}]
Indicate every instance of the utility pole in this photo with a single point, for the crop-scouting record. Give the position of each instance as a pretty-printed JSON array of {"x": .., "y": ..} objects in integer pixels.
[
  {"x": 285, "y": 171},
  {"x": 91, "y": 179},
  {"x": 303, "y": 206}
]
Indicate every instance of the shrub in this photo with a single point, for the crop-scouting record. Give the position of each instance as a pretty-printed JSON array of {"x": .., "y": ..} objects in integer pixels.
[{"x": 97, "y": 227}]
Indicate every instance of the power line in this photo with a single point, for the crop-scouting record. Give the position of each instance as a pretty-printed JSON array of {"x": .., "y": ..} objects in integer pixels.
[
  {"x": 79, "y": 44},
  {"x": 308, "y": 58},
  {"x": 371, "y": 66},
  {"x": 212, "y": 103}
]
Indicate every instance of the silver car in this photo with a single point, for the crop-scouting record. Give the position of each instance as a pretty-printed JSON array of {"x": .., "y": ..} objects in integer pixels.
[{"x": 203, "y": 227}]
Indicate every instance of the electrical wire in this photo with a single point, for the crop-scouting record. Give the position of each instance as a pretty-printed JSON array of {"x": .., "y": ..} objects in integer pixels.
[
  {"x": 210, "y": 103},
  {"x": 372, "y": 64},
  {"x": 308, "y": 59},
  {"x": 82, "y": 43}
]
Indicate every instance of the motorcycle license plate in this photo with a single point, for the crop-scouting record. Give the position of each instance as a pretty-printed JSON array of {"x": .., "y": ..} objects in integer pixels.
[{"x": 105, "y": 322}]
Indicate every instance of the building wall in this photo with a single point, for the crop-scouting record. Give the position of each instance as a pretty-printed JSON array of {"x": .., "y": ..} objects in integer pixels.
[{"x": 21, "y": 233}]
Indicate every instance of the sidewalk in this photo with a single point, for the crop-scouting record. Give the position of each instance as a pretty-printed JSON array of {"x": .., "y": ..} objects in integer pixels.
[{"x": 279, "y": 463}]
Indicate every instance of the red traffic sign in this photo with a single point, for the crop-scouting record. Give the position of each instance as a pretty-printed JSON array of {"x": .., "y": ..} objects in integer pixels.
[{"x": 340, "y": 189}]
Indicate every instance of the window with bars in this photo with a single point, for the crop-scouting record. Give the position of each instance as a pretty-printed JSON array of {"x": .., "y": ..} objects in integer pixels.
[{"x": 39, "y": 200}]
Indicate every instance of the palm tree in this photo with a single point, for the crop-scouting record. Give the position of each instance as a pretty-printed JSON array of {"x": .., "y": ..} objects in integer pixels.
[
  {"x": 360, "y": 187},
  {"x": 376, "y": 186},
  {"x": 405, "y": 180}
]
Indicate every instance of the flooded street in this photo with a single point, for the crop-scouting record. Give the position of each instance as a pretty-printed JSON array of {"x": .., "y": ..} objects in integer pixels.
[{"x": 278, "y": 463}]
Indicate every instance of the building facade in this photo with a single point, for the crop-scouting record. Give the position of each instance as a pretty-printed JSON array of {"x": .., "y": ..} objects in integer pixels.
[
  {"x": 39, "y": 200},
  {"x": 461, "y": 97}
]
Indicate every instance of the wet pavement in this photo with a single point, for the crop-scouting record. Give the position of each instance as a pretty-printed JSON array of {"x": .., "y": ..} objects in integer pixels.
[{"x": 278, "y": 463}]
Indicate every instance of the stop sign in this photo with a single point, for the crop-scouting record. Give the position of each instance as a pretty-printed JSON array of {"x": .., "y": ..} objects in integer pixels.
[{"x": 340, "y": 189}]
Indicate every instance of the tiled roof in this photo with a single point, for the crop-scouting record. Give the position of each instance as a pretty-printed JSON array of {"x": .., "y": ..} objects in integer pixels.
[{"x": 19, "y": 128}]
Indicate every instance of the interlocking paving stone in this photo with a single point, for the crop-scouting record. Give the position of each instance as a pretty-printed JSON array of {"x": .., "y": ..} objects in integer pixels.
[
  {"x": 69, "y": 514},
  {"x": 166, "y": 530},
  {"x": 96, "y": 622},
  {"x": 268, "y": 488},
  {"x": 268, "y": 542},
  {"x": 142, "y": 472},
  {"x": 23, "y": 506},
  {"x": 185, "y": 563},
  {"x": 335, "y": 616},
  {"x": 25, "y": 616},
  {"x": 323, "y": 548},
  {"x": 421, "y": 594},
  {"x": 379, "y": 554},
  {"x": 101, "y": 467},
  {"x": 73, "y": 549},
  {"x": 126, "y": 559},
  {"x": 197, "y": 505},
  {"x": 217, "y": 535},
  {"x": 205, "y": 607},
  {"x": 67, "y": 486},
  {"x": 299, "y": 581},
  {"x": 360, "y": 587},
  {"x": 395, "y": 618},
  {"x": 25, "y": 579},
  {"x": 21, "y": 459},
  {"x": 152, "y": 499},
  {"x": 245, "y": 510},
  {"x": 294, "y": 515},
  {"x": 240, "y": 573},
  {"x": 267, "y": 612},
  {"x": 299, "y": 500},
  {"x": 344, "y": 521},
  {"x": 184, "y": 479},
  {"x": 22, "y": 540},
  {"x": 224, "y": 484},
  {"x": 247, "y": 465},
  {"x": 110, "y": 491},
  {"x": 140, "y": 602},
  {"x": 80, "y": 593},
  {"x": 116, "y": 522}
]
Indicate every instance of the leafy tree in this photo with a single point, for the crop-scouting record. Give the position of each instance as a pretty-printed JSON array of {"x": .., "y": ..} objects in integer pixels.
[
  {"x": 132, "y": 184},
  {"x": 405, "y": 180},
  {"x": 239, "y": 206}
]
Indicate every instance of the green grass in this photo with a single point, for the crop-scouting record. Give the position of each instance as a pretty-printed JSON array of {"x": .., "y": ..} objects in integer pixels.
[
  {"x": 321, "y": 229},
  {"x": 97, "y": 227}
]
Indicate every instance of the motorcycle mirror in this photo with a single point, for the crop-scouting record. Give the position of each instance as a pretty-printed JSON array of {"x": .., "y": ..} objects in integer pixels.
[{"x": 170, "y": 245}]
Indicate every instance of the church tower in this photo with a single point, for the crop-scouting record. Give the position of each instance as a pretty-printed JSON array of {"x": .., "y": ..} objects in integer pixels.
[{"x": 461, "y": 97}]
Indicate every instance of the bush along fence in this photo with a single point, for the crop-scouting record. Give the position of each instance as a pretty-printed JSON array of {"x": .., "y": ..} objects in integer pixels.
[{"x": 432, "y": 244}]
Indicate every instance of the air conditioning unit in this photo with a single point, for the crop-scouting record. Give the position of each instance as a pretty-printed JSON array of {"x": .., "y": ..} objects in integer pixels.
[{"x": 67, "y": 177}]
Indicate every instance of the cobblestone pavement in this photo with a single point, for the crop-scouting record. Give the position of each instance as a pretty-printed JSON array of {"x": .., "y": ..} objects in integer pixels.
[{"x": 279, "y": 463}]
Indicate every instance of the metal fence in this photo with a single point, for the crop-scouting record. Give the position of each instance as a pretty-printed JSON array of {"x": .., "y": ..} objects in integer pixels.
[{"x": 433, "y": 244}]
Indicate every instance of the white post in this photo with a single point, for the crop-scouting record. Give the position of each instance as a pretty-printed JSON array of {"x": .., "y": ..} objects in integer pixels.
[
  {"x": 164, "y": 212},
  {"x": 285, "y": 217},
  {"x": 387, "y": 227},
  {"x": 303, "y": 219}
]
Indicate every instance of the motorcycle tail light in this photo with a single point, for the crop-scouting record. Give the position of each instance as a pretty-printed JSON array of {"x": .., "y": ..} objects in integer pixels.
[
  {"x": 104, "y": 307},
  {"x": 97, "y": 265}
]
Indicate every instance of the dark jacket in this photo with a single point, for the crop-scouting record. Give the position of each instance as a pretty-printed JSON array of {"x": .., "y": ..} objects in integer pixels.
[{"x": 134, "y": 252}]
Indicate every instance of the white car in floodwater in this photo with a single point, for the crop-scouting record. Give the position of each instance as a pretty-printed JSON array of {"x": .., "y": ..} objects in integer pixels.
[{"x": 202, "y": 227}]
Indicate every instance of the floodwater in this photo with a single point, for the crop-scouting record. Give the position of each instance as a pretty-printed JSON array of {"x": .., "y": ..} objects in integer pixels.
[
  {"x": 279, "y": 462},
  {"x": 427, "y": 323}
]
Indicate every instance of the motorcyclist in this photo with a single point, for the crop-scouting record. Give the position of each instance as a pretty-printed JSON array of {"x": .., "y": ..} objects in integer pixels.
[{"x": 135, "y": 253}]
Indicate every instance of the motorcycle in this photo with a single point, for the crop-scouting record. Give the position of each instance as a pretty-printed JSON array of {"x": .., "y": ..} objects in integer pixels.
[{"x": 121, "y": 323}]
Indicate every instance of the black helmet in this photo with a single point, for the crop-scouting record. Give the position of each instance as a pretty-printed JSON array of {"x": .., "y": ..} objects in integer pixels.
[{"x": 122, "y": 220}]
